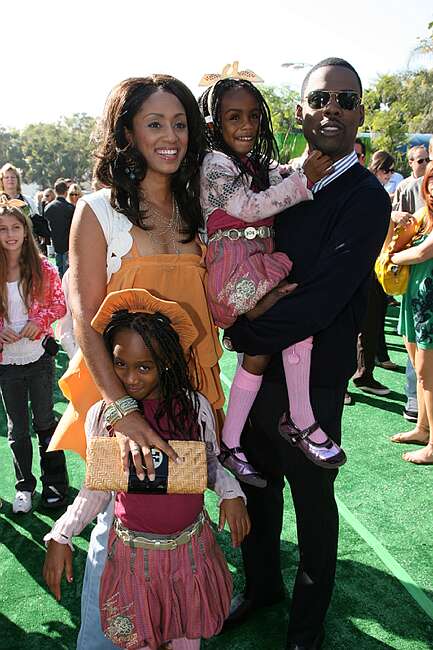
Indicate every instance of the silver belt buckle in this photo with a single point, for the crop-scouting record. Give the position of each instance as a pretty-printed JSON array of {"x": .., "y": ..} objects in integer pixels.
[
  {"x": 250, "y": 232},
  {"x": 236, "y": 234}
]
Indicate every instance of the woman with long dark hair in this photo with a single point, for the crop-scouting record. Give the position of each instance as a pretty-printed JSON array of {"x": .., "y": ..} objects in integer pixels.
[
  {"x": 416, "y": 324},
  {"x": 139, "y": 231}
]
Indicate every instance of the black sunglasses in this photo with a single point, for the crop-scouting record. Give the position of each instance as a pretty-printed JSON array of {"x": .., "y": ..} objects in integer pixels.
[
  {"x": 420, "y": 161},
  {"x": 346, "y": 99}
]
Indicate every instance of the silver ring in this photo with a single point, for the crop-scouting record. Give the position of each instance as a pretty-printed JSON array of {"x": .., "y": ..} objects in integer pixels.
[{"x": 136, "y": 447}]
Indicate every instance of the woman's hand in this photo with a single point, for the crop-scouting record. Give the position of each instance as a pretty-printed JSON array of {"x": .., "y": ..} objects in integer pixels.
[
  {"x": 9, "y": 336},
  {"x": 317, "y": 165},
  {"x": 234, "y": 512},
  {"x": 30, "y": 331},
  {"x": 137, "y": 435},
  {"x": 57, "y": 560}
]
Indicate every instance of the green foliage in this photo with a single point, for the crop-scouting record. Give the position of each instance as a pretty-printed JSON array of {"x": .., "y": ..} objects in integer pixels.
[
  {"x": 282, "y": 103},
  {"x": 396, "y": 106},
  {"x": 48, "y": 151}
]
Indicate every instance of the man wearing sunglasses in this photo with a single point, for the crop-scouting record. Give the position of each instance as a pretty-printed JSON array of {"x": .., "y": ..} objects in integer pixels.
[
  {"x": 333, "y": 242},
  {"x": 408, "y": 197}
]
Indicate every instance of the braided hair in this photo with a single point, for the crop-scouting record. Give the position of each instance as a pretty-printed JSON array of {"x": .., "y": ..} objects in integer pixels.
[
  {"x": 179, "y": 402},
  {"x": 265, "y": 148}
]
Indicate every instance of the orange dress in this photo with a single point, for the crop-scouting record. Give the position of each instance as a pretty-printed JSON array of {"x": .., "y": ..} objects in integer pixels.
[{"x": 173, "y": 277}]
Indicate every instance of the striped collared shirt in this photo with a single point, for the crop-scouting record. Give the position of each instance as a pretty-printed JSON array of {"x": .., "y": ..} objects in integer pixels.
[{"x": 339, "y": 167}]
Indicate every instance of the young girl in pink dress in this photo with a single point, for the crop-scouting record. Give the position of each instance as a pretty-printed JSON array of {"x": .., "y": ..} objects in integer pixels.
[
  {"x": 165, "y": 583},
  {"x": 242, "y": 188}
]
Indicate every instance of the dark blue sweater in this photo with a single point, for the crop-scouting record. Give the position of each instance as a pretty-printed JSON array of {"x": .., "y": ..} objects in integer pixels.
[{"x": 333, "y": 242}]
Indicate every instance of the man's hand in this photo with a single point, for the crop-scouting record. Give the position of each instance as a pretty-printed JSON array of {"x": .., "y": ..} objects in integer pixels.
[
  {"x": 317, "y": 165},
  {"x": 57, "y": 560},
  {"x": 234, "y": 512},
  {"x": 30, "y": 331},
  {"x": 136, "y": 435},
  {"x": 9, "y": 336}
]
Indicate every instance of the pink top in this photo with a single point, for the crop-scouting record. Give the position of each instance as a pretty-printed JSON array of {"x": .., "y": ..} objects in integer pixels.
[
  {"x": 149, "y": 511},
  {"x": 88, "y": 503},
  {"x": 228, "y": 201},
  {"x": 50, "y": 306}
]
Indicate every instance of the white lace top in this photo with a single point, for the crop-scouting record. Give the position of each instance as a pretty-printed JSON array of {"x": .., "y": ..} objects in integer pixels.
[
  {"x": 23, "y": 351},
  {"x": 115, "y": 226}
]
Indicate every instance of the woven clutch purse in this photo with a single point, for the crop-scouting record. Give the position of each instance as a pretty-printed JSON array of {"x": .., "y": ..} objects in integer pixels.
[{"x": 104, "y": 469}]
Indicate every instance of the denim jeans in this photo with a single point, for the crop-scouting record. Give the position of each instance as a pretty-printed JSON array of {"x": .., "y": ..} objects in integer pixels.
[
  {"x": 410, "y": 388},
  {"x": 18, "y": 384},
  {"x": 91, "y": 636},
  {"x": 62, "y": 263}
]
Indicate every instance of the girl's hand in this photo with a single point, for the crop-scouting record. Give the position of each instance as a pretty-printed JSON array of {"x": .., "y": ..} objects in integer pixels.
[
  {"x": 9, "y": 336},
  {"x": 136, "y": 431},
  {"x": 30, "y": 330},
  {"x": 234, "y": 512},
  {"x": 317, "y": 165},
  {"x": 57, "y": 560}
]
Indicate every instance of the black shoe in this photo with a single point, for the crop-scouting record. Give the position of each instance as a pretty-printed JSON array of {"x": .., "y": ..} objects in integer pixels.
[
  {"x": 242, "y": 608},
  {"x": 371, "y": 386},
  {"x": 52, "y": 498},
  {"x": 313, "y": 645},
  {"x": 410, "y": 416}
]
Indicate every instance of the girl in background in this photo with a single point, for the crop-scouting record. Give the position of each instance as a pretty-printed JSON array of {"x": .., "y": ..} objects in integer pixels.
[
  {"x": 241, "y": 185},
  {"x": 31, "y": 299}
]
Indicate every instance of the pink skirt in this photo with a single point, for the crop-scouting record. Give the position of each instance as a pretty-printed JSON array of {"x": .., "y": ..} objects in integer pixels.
[
  {"x": 150, "y": 597},
  {"x": 240, "y": 273}
]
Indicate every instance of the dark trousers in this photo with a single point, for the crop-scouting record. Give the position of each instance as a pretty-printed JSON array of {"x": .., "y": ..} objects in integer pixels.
[
  {"x": 312, "y": 489},
  {"x": 18, "y": 385},
  {"x": 371, "y": 340}
]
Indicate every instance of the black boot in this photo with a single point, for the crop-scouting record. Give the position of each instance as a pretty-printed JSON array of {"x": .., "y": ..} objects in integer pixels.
[{"x": 54, "y": 475}]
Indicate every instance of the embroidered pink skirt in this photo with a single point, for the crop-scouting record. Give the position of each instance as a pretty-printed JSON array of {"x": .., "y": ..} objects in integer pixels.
[
  {"x": 150, "y": 597},
  {"x": 241, "y": 272}
]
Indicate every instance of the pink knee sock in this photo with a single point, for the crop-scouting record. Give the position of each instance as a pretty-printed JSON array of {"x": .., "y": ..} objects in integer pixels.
[
  {"x": 186, "y": 644},
  {"x": 243, "y": 392},
  {"x": 297, "y": 361}
]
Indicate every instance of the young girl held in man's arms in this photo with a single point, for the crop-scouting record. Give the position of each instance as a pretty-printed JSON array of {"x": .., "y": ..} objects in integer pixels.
[
  {"x": 160, "y": 595},
  {"x": 242, "y": 188},
  {"x": 31, "y": 299}
]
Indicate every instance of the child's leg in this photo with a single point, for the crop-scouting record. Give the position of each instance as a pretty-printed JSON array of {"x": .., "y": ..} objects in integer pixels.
[
  {"x": 297, "y": 362},
  {"x": 245, "y": 386},
  {"x": 316, "y": 445}
]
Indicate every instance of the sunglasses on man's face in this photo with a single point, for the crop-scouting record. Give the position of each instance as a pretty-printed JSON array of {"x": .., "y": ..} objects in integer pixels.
[
  {"x": 348, "y": 100},
  {"x": 420, "y": 161}
]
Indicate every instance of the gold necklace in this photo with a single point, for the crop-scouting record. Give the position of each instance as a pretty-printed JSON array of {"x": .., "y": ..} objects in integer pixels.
[{"x": 172, "y": 225}]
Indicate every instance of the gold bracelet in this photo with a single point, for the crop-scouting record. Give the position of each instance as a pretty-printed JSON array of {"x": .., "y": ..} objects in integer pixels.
[{"x": 118, "y": 409}]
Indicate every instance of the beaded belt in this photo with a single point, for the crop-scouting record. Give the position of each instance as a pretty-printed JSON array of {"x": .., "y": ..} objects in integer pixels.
[
  {"x": 263, "y": 232},
  {"x": 158, "y": 542}
]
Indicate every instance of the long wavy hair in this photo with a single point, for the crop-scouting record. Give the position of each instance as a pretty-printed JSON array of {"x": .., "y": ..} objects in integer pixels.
[
  {"x": 31, "y": 276},
  {"x": 265, "y": 148},
  {"x": 115, "y": 155},
  {"x": 179, "y": 403},
  {"x": 428, "y": 223}
]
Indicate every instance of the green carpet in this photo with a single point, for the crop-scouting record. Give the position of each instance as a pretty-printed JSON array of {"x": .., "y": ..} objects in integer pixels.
[{"x": 384, "y": 588}]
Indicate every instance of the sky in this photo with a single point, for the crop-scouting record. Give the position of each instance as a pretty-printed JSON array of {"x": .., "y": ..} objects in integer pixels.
[{"x": 64, "y": 57}]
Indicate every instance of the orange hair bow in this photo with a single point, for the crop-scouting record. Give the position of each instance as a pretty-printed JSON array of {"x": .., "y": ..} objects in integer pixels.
[{"x": 230, "y": 71}]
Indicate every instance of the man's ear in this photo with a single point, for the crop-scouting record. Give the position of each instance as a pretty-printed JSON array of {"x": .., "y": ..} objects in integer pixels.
[
  {"x": 361, "y": 114},
  {"x": 298, "y": 114}
]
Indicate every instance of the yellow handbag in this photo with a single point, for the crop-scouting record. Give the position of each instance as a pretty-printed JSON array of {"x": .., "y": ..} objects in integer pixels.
[{"x": 394, "y": 278}]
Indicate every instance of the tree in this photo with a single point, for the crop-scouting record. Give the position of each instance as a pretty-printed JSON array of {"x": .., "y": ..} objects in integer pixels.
[
  {"x": 396, "y": 106},
  {"x": 423, "y": 52},
  {"x": 45, "y": 152},
  {"x": 282, "y": 103},
  {"x": 58, "y": 150}
]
